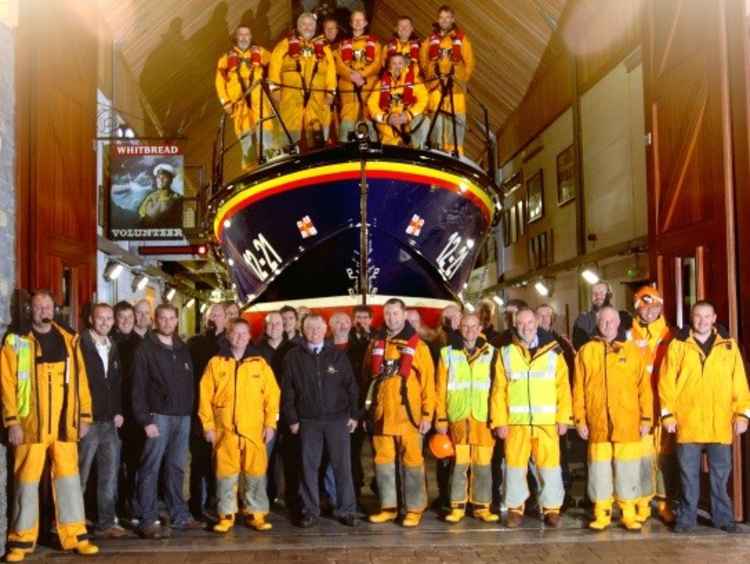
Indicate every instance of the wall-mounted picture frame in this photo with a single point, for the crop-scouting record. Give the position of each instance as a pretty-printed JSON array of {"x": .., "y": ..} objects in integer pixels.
[
  {"x": 535, "y": 197},
  {"x": 514, "y": 183},
  {"x": 521, "y": 217},
  {"x": 506, "y": 227},
  {"x": 513, "y": 225},
  {"x": 566, "y": 176}
]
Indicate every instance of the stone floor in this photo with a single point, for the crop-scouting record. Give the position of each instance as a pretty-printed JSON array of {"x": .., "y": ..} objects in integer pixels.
[{"x": 434, "y": 542}]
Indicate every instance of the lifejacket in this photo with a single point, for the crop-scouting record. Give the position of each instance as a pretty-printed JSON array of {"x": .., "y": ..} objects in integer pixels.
[
  {"x": 386, "y": 83},
  {"x": 407, "y": 355},
  {"x": 347, "y": 49},
  {"x": 392, "y": 48},
  {"x": 295, "y": 47},
  {"x": 235, "y": 58},
  {"x": 456, "y": 48}
]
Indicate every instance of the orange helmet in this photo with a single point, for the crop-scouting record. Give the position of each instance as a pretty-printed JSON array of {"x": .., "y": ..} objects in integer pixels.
[
  {"x": 647, "y": 295},
  {"x": 441, "y": 446}
]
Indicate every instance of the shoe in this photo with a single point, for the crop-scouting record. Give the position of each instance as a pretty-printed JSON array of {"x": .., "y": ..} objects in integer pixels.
[
  {"x": 629, "y": 517},
  {"x": 113, "y": 532},
  {"x": 86, "y": 548},
  {"x": 154, "y": 532},
  {"x": 258, "y": 522},
  {"x": 189, "y": 525},
  {"x": 224, "y": 525},
  {"x": 308, "y": 521},
  {"x": 682, "y": 530},
  {"x": 665, "y": 512},
  {"x": 456, "y": 515},
  {"x": 730, "y": 528},
  {"x": 602, "y": 516},
  {"x": 384, "y": 516},
  {"x": 15, "y": 555},
  {"x": 348, "y": 520},
  {"x": 552, "y": 520},
  {"x": 643, "y": 509},
  {"x": 514, "y": 520},
  {"x": 486, "y": 515},
  {"x": 412, "y": 519}
]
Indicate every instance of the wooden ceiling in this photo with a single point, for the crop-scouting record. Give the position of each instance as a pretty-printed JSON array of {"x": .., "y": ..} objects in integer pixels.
[{"x": 171, "y": 47}]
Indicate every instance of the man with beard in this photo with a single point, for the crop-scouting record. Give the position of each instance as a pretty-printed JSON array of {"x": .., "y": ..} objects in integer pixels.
[
  {"x": 202, "y": 349},
  {"x": 46, "y": 408},
  {"x": 402, "y": 396},
  {"x": 163, "y": 402},
  {"x": 584, "y": 328},
  {"x": 303, "y": 81},
  {"x": 405, "y": 42},
  {"x": 239, "y": 74},
  {"x": 448, "y": 62},
  {"x": 290, "y": 320}
]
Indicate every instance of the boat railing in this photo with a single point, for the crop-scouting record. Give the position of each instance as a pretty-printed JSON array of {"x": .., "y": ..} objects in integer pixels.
[{"x": 479, "y": 139}]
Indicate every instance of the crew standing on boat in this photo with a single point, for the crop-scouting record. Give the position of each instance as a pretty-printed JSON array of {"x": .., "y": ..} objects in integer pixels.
[
  {"x": 302, "y": 73},
  {"x": 239, "y": 75},
  {"x": 447, "y": 59}
]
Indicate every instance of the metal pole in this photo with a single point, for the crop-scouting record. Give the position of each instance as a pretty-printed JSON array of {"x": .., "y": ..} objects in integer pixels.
[{"x": 364, "y": 247}]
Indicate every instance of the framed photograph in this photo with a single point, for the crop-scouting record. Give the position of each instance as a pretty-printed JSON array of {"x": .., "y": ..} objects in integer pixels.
[
  {"x": 512, "y": 184},
  {"x": 566, "y": 176},
  {"x": 535, "y": 197},
  {"x": 506, "y": 227},
  {"x": 521, "y": 218},
  {"x": 513, "y": 225}
]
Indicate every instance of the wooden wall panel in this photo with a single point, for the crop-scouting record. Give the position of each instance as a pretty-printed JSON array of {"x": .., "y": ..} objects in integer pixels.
[{"x": 56, "y": 159}]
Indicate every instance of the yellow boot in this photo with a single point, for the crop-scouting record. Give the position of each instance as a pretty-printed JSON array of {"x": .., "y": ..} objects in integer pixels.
[
  {"x": 665, "y": 512},
  {"x": 86, "y": 548},
  {"x": 225, "y": 524},
  {"x": 643, "y": 509},
  {"x": 602, "y": 515},
  {"x": 258, "y": 522},
  {"x": 629, "y": 519},
  {"x": 384, "y": 516},
  {"x": 456, "y": 515},
  {"x": 15, "y": 555},
  {"x": 412, "y": 519},
  {"x": 484, "y": 514}
]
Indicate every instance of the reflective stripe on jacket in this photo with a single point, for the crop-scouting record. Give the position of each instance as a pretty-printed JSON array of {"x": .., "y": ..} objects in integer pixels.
[{"x": 463, "y": 383}]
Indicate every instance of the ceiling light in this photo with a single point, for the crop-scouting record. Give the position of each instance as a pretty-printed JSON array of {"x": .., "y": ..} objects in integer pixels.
[
  {"x": 171, "y": 293},
  {"x": 113, "y": 270},
  {"x": 541, "y": 288},
  {"x": 140, "y": 282},
  {"x": 204, "y": 307},
  {"x": 190, "y": 302},
  {"x": 590, "y": 276},
  {"x": 498, "y": 300},
  {"x": 469, "y": 307}
]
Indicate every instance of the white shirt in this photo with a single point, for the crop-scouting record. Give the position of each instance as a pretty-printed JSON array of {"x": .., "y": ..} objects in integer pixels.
[{"x": 103, "y": 346}]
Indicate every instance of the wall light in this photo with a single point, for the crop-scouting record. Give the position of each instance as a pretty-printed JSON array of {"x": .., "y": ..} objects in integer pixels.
[
  {"x": 140, "y": 282},
  {"x": 204, "y": 307},
  {"x": 542, "y": 288},
  {"x": 171, "y": 293},
  {"x": 590, "y": 276},
  {"x": 190, "y": 302},
  {"x": 469, "y": 307},
  {"x": 113, "y": 270},
  {"x": 498, "y": 300}
]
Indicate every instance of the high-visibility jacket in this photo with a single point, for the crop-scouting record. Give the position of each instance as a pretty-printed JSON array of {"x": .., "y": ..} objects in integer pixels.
[
  {"x": 653, "y": 339},
  {"x": 390, "y": 414},
  {"x": 703, "y": 393},
  {"x": 397, "y": 95},
  {"x": 531, "y": 389},
  {"x": 48, "y": 400},
  {"x": 361, "y": 54},
  {"x": 464, "y": 382},
  {"x": 238, "y": 396},
  {"x": 612, "y": 391}
]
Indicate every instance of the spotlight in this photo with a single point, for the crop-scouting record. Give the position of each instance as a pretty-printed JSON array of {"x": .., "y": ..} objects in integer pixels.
[
  {"x": 113, "y": 270},
  {"x": 542, "y": 288},
  {"x": 171, "y": 293},
  {"x": 190, "y": 302},
  {"x": 204, "y": 307},
  {"x": 129, "y": 133},
  {"x": 590, "y": 276},
  {"x": 498, "y": 300},
  {"x": 140, "y": 282},
  {"x": 469, "y": 307}
]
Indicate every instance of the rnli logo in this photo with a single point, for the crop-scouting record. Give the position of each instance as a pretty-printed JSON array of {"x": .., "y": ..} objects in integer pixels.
[
  {"x": 359, "y": 54},
  {"x": 307, "y": 51},
  {"x": 332, "y": 369},
  {"x": 445, "y": 53}
]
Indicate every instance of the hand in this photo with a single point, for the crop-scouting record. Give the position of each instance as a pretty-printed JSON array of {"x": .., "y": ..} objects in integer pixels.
[
  {"x": 562, "y": 428},
  {"x": 501, "y": 432},
  {"x": 119, "y": 420},
  {"x": 425, "y": 426},
  {"x": 670, "y": 426},
  {"x": 740, "y": 426},
  {"x": 15, "y": 435},
  {"x": 294, "y": 428},
  {"x": 152, "y": 431},
  {"x": 645, "y": 429},
  {"x": 268, "y": 434},
  {"x": 210, "y": 437},
  {"x": 229, "y": 108},
  {"x": 84, "y": 430},
  {"x": 394, "y": 120},
  {"x": 357, "y": 79},
  {"x": 583, "y": 431}
]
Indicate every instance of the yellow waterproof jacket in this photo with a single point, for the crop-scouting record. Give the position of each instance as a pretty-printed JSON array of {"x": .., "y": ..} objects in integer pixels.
[
  {"x": 411, "y": 55},
  {"x": 390, "y": 415},
  {"x": 311, "y": 71},
  {"x": 441, "y": 64},
  {"x": 703, "y": 393},
  {"x": 358, "y": 62},
  {"x": 238, "y": 396},
  {"x": 239, "y": 73},
  {"x": 548, "y": 352},
  {"x": 48, "y": 400},
  {"x": 612, "y": 391},
  {"x": 389, "y": 97},
  {"x": 653, "y": 338}
]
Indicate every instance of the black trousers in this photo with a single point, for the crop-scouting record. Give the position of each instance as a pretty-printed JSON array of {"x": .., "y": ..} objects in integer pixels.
[{"x": 334, "y": 437}]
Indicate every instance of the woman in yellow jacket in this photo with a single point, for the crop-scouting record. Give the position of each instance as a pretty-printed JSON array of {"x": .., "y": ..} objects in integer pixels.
[
  {"x": 612, "y": 409},
  {"x": 705, "y": 401},
  {"x": 239, "y": 407}
]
